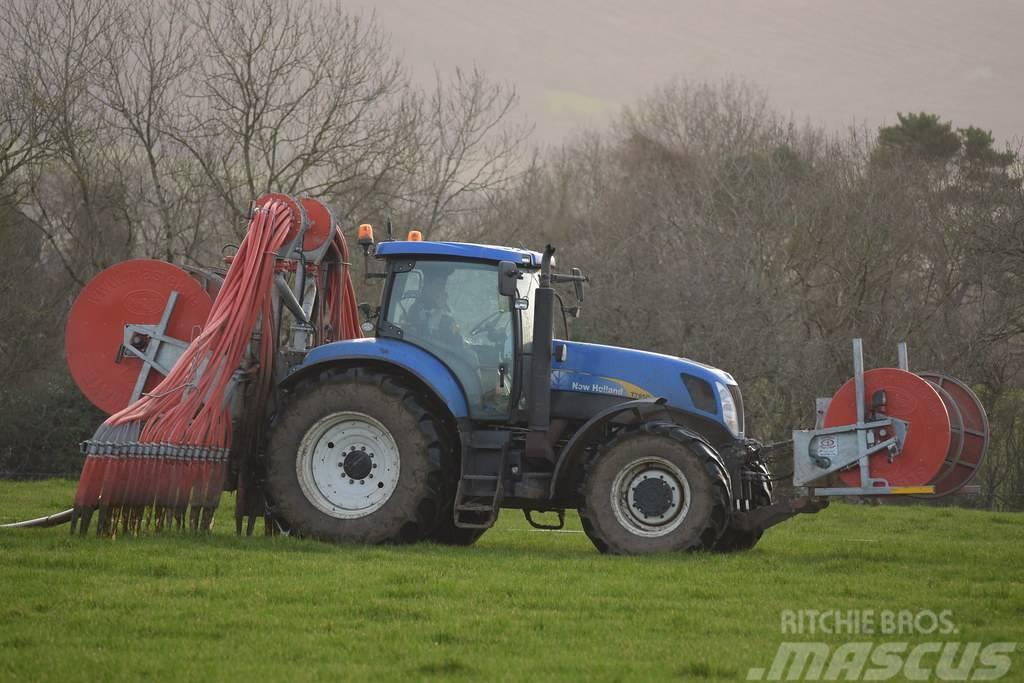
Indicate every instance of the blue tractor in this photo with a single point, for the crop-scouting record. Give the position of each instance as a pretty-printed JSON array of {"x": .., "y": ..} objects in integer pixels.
[{"x": 462, "y": 402}]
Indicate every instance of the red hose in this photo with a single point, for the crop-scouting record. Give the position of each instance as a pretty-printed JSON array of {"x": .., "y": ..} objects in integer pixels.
[{"x": 168, "y": 450}]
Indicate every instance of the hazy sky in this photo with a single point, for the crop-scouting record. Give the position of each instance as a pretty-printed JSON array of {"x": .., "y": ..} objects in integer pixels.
[{"x": 575, "y": 62}]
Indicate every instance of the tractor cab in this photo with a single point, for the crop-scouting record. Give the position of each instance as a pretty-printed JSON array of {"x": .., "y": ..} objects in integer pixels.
[{"x": 448, "y": 299}]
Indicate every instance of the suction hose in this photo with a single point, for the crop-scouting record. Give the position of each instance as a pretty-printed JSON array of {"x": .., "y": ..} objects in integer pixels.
[{"x": 41, "y": 522}]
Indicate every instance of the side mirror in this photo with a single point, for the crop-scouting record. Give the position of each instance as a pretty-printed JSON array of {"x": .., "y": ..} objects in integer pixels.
[
  {"x": 508, "y": 276},
  {"x": 577, "y": 283}
]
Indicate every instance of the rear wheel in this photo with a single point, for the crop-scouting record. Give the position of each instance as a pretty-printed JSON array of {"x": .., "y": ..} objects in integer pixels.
[
  {"x": 355, "y": 456},
  {"x": 446, "y": 533},
  {"x": 648, "y": 492}
]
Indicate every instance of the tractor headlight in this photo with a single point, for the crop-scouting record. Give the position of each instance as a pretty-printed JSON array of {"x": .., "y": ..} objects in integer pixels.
[{"x": 731, "y": 409}]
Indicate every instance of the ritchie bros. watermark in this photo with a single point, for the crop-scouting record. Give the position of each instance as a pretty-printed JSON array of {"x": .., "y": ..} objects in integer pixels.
[{"x": 879, "y": 645}]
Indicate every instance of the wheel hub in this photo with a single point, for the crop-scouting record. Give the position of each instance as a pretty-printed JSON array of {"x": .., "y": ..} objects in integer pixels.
[
  {"x": 348, "y": 465},
  {"x": 650, "y": 497},
  {"x": 358, "y": 463}
]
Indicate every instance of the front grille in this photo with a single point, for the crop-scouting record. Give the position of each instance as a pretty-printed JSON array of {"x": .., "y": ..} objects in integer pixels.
[{"x": 701, "y": 393}]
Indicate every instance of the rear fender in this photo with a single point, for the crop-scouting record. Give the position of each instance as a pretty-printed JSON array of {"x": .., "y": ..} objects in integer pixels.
[{"x": 386, "y": 353}]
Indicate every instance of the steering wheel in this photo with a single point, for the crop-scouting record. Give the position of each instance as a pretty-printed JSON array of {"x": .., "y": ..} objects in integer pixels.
[
  {"x": 488, "y": 324},
  {"x": 403, "y": 307}
]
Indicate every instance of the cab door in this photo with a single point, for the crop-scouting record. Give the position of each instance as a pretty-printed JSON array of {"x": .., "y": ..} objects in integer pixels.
[{"x": 453, "y": 310}]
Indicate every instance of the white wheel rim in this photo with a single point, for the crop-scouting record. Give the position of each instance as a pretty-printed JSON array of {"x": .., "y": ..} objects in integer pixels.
[
  {"x": 632, "y": 492},
  {"x": 348, "y": 465}
]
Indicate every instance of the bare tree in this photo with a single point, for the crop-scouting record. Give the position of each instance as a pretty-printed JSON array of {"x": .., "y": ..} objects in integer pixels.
[
  {"x": 57, "y": 46},
  {"x": 467, "y": 150},
  {"x": 26, "y": 127},
  {"x": 292, "y": 97},
  {"x": 144, "y": 76}
]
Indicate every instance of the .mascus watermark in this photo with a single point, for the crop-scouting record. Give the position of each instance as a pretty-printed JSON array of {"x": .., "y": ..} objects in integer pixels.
[{"x": 886, "y": 654}]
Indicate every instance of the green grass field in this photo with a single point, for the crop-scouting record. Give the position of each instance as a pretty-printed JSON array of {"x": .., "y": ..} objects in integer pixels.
[{"x": 519, "y": 605}]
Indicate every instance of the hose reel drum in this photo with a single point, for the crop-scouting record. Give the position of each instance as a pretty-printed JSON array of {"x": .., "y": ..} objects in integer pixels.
[
  {"x": 890, "y": 431},
  {"x": 132, "y": 321}
]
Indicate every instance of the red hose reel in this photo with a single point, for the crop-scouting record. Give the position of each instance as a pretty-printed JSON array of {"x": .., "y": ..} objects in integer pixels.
[
  {"x": 133, "y": 320},
  {"x": 136, "y": 292},
  {"x": 145, "y": 343},
  {"x": 946, "y": 437}
]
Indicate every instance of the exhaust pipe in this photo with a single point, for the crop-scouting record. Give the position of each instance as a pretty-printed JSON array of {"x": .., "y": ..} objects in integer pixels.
[{"x": 537, "y": 444}]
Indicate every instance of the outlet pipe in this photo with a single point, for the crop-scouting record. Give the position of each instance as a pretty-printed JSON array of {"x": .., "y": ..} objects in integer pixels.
[{"x": 40, "y": 522}]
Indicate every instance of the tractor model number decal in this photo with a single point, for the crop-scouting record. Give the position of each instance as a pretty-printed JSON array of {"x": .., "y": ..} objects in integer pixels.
[{"x": 582, "y": 382}]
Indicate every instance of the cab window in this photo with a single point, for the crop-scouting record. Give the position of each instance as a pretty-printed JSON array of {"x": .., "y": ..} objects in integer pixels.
[{"x": 454, "y": 311}]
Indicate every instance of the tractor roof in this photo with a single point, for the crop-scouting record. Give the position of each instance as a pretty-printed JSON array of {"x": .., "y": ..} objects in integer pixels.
[{"x": 483, "y": 252}]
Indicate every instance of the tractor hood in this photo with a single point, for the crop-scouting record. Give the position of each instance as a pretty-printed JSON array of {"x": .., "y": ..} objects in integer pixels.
[{"x": 629, "y": 373}]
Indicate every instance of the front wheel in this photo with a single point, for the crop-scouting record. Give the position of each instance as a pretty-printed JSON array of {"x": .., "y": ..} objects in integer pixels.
[
  {"x": 355, "y": 456},
  {"x": 647, "y": 492}
]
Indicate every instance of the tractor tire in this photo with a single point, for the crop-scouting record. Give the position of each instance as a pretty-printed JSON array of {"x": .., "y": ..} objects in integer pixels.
[
  {"x": 737, "y": 540},
  {"x": 446, "y": 533},
  {"x": 654, "y": 490},
  {"x": 356, "y": 456}
]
